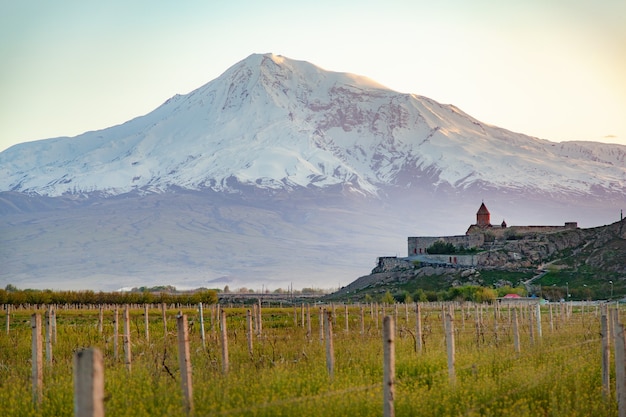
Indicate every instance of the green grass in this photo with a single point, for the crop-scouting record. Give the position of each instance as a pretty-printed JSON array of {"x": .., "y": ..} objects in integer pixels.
[{"x": 286, "y": 374}]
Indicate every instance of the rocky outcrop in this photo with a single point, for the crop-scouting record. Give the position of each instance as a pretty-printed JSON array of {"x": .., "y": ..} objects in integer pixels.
[
  {"x": 535, "y": 250},
  {"x": 601, "y": 248}
]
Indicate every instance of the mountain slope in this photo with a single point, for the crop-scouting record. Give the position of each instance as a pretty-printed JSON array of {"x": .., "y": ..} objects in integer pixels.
[
  {"x": 276, "y": 123},
  {"x": 192, "y": 239}
]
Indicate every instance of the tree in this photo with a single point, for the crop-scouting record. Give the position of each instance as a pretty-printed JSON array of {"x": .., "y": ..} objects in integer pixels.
[
  {"x": 484, "y": 295},
  {"x": 207, "y": 296},
  {"x": 440, "y": 247},
  {"x": 420, "y": 296},
  {"x": 407, "y": 298},
  {"x": 388, "y": 298},
  {"x": 506, "y": 289}
]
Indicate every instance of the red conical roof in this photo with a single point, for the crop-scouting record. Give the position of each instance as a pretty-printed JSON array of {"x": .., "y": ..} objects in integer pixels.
[{"x": 483, "y": 209}]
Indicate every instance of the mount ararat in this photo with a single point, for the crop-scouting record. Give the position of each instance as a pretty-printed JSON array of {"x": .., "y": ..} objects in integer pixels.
[{"x": 279, "y": 172}]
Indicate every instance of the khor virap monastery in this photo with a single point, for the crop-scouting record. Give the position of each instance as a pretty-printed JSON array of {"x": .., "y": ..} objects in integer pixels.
[{"x": 477, "y": 236}]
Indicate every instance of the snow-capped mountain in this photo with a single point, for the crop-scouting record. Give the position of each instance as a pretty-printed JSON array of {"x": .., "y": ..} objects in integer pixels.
[
  {"x": 276, "y": 123},
  {"x": 279, "y": 173}
]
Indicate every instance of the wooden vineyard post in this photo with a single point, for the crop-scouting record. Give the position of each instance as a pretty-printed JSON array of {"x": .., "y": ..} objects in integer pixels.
[
  {"x": 395, "y": 315},
  {"x": 202, "y": 335},
  {"x": 184, "y": 362},
  {"x": 308, "y": 322},
  {"x": 406, "y": 313},
  {"x": 115, "y": 333},
  {"x": 362, "y": 321},
  {"x": 53, "y": 325},
  {"x": 260, "y": 321},
  {"x": 376, "y": 314},
  {"x": 146, "y": 322},
  {"x": 127, "y": 350},
  {"x": 48, "y": 337},
  {"x": 88, "y": 383},
  {"x": 606, "y": 355},
  {"x": 346, "y": 319},
  {"x": 212, "y": 319},
  {"x": 620, "y": 370},
  {"x": 218, "y": 312},
  {"x": 463, "y": 317},
  {"x": 8, "y": 319},
  {"x": 477, "y": 324},
  {"x": 496, "y": 317},
  {"x": 295, "y": 316},
  {"x": 255, "y": 318},
  {"x": 551, "y": 318},
  {"x": 100, "y": 319},
  {"x": 302, "y": 314},
  {"x": 515, "y": 331},
  {"x": 249, "y": 332},
  {"x": 509, "y": 311},
  {"x": 330, "y": 349},
  {"x": 163, "y": 313},
  {"x": 224, "y": 343},
  {"x": 389, "y": 366},
  {"x": 321, "y": 325},
  {"x": 530, "y": 326},
  {"x": 450, "y": 347},
  {"x": 37, "y": 359},
  {"x": 538, "y": 317},
  {"x": 418, "y": 327}
]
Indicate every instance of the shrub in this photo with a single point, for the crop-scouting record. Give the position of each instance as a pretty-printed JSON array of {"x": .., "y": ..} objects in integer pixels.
[{"x": 441, "y": 247}]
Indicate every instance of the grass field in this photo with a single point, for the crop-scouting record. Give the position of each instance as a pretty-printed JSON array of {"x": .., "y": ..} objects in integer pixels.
[{"x": 557, "y": 374}]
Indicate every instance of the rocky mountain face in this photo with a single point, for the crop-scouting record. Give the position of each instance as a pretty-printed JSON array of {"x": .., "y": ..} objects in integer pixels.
[
  {"x": 278, "y": 124},
  {"x": 282, "y": 172}
]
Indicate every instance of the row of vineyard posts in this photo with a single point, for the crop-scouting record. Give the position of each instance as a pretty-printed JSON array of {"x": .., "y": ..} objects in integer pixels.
[{"x": 89, "y": 366}]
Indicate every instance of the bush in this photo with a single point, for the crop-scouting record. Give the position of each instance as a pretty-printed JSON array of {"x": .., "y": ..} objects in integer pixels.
[{"x": 440, "y": 247}]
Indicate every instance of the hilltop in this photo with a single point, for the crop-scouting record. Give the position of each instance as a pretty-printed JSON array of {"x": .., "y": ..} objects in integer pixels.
[{"x": 586, "y": 263}]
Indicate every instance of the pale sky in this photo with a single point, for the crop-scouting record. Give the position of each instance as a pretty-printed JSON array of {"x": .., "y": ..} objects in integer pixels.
[{"x": 555, "y": 69}]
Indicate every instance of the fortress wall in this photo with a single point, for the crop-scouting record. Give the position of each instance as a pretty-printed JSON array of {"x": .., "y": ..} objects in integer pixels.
[
  {"x": 541, "y": 229},
  {"x": 390, "y": 263},
  {"x": 418, "y": 245},
  {"x": 460, "y": 260},
  {"x": 501, "y": 232}
]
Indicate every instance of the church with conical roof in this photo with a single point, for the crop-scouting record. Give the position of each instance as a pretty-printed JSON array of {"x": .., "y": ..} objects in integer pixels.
[
  {"x": 483, "y": 221},
  {"x": 478, "y": 235},
  {"x": 483, "y": 217}
]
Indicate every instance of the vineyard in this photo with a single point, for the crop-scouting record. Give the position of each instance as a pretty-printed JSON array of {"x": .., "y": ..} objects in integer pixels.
[{"x": 312, "y": 360}]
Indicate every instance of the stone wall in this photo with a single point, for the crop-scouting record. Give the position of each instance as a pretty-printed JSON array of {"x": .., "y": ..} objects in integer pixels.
[
  {"x": 505, "y": 232},
  {"x": 454, "y": 260},
  {"x": 391, "y": 263},
  {"x": 418, "y": 245}
]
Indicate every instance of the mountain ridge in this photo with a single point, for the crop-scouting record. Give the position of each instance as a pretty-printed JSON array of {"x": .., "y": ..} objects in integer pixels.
[{"x": 278, "y": 123}]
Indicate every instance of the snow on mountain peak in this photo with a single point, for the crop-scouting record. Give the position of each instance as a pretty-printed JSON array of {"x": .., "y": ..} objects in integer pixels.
[{"x": 277, "y": 123}]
